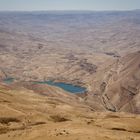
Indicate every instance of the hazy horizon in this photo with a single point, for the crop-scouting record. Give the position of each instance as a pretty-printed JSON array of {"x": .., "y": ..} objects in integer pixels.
[
  {"x": 69, "y": 10},
  {"x": 69, "y": 5}
]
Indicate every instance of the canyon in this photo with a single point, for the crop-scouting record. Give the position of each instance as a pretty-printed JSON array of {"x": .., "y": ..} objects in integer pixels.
[{"x": 99, "y": 51}]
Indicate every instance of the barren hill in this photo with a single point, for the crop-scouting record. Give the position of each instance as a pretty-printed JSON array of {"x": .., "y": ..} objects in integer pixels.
[
  {"x": 27, "y": 115},
  {"x": 119, "y": 84}
]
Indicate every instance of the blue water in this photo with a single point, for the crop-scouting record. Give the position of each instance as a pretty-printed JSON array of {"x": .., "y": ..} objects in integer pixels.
[
  {"x": 67, "y": 87},
  {"x": 8, "y": 80}
]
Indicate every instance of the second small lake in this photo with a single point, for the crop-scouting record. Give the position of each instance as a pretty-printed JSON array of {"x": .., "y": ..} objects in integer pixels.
[
  {"x": 8, "y": 80},
  {"x": 67, "y": 87}
]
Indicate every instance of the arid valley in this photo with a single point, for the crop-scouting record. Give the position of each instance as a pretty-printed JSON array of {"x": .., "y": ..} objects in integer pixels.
[{"x": 96, "y": 51}]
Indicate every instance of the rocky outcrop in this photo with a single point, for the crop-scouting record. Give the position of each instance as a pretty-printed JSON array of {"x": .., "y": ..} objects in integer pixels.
[
  {"x": 88, "y": 67},
  {"x": 121, "y": 88}
]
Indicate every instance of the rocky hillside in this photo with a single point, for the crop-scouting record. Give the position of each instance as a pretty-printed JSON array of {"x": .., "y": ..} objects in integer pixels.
[
  {"x": 28, "y": 114},
  {"x": 119, "y": 84}
]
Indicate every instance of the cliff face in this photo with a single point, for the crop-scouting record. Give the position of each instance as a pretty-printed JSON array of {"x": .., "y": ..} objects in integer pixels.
[{"x": 120, "y": 84}]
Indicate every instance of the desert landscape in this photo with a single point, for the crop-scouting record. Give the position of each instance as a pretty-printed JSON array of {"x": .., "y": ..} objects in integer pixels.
[{"x": 70, "y": 75}]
